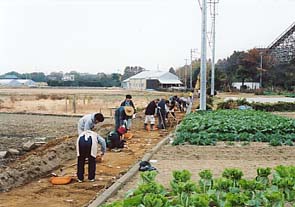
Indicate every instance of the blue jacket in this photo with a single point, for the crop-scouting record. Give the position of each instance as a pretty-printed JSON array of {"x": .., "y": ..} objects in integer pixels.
[{"x": 120, "y": 115}]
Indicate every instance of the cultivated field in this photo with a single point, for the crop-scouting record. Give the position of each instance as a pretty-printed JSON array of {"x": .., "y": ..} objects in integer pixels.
[
  {"x": 33, "y": 168},
  {"x": 31, "y": 171}
]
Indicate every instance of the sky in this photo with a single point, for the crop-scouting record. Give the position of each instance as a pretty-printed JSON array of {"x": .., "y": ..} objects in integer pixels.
[{"x": 95, "y": 36}]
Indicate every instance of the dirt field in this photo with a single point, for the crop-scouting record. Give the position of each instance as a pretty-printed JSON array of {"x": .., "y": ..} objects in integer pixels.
[
  {"x": 34, "y": 168},
  {"x": 19, "y": 128},
  {"x": 58, "y": 155}
]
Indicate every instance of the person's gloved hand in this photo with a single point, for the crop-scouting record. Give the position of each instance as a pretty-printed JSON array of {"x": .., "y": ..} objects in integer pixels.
[
  {"x": 133, "y": 116},
  {"x": 159, "y": 107}
]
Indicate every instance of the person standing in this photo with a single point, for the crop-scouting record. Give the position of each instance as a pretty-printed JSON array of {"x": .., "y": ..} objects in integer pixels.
[
  {"x": 122, "y": 114},
  {"x": 87, "y": 146},
  {"x": 149, "y": 114},
  {"x": 161, "y": 112},
  {"x": 171, "y": 109},
  {"x": 190, "y": 99},
  {"x": 88, "y": 121},
  {"x": 128, "y": 102}
]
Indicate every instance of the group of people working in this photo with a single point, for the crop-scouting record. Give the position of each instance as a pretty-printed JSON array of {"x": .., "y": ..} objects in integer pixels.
[
  {"x": 88, "y": 140},
  {"x": 162, "y": 108}
]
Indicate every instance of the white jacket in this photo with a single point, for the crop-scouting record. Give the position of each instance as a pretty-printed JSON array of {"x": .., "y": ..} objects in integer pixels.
[{"x": 96, "y": 139}]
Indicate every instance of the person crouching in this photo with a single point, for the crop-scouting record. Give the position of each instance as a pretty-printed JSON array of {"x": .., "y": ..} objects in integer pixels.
[{"x": 87, "y": 146}]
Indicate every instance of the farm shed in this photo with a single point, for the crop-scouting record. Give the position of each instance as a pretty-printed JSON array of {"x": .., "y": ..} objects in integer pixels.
[
  {"x": 17, "y": 82},
  {"x": 9, "y": 82},
  {"x": 152, "y": 80}
]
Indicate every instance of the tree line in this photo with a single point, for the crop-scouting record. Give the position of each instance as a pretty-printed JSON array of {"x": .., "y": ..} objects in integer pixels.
[
  {"x": 77, "y": 79},
  {"x": 244, "y": 66}
]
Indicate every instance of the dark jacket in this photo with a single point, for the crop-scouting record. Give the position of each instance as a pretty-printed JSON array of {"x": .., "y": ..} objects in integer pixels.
[
  {"x": 128, "y": 103},
  {"x": 120, "y": 115},
  {"x": 172, "y": 105},
  {"x": 151, "y": 108},
  {"x": 162, "y": 109}
]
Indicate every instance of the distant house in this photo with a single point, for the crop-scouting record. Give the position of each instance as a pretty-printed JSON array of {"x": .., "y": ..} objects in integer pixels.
[
  {"x": 52, "y": 78},
  {"x": 68, "y": 77},
  {"x": 152, "y": 80},
  {"x": 17, "y": 83},
  {"x": 250, "y": 85}
]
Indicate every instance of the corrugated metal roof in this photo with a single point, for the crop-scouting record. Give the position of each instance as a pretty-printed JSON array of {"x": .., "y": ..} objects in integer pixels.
[
  {"x": 163, "y": 81},
  {"x": 147, "y": 74},
  {"x": 163, "y": 76}
]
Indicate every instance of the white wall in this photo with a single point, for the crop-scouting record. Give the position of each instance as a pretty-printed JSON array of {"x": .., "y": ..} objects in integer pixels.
[{"x": 250, "y": 85}]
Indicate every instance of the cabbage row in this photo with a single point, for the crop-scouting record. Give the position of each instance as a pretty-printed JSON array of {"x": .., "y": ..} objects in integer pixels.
[
  {"x": 231, "y": 190},
  {"x": 206, "y": 128}
]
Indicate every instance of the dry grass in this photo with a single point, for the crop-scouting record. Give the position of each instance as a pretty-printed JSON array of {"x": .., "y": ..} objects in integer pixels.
[{"x": 63, "y": 101}]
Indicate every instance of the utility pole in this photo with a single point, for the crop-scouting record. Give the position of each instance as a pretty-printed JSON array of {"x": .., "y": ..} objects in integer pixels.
[
  {"x": 203, "y": 56},
  {"x": 191, "y": 68},
  {"x": 185, "y": 73},
  {"x": 260, "y": 70},
  {"x": 213, "y": 15}
]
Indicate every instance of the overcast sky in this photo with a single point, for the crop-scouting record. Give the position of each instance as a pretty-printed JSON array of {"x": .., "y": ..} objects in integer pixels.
[{"x": 107, "y": 35}]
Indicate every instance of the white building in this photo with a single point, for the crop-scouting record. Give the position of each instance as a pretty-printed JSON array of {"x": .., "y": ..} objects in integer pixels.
[
  {"x": 68, "y": 77},
  {"x": 250, "y": 85},
  {"x": 152, "y": 80},
  {"x": 17, "y": 83}
]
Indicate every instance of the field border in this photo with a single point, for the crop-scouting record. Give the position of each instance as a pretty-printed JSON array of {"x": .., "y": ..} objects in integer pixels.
[{"x": 48, "y": 114}]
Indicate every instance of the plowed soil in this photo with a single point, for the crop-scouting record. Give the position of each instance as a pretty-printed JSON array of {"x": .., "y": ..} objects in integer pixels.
[{"x": 59, "y": 154}]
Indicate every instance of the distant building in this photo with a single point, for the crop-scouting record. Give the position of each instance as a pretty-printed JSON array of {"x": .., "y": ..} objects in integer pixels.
[
  {"x": 41, "y": 84},
  {"x": 10, "y": 77},
  {"x": 250, "y": 85},
  {"x": 9, "y": 82},
  {"x": 52, "y": 78},
  {"x": 68, "y": 77},
  {"x": 17, "y": 83},
  {"x": 152, "y": 80}
]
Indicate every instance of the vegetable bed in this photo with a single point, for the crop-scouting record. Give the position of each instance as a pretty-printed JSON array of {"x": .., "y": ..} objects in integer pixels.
[
  {"x": 206, "y": 128},
  {"x": 231, "y": 190}
]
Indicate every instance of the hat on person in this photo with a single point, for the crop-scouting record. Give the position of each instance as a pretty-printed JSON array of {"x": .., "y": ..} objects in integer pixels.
[
  {"x": 121, "y": 130},
  {"x": 129, "y": 110}
]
